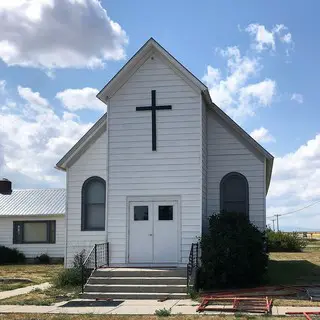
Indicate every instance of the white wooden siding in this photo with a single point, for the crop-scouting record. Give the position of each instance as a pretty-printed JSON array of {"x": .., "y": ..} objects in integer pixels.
[
  {"x": 135, "y": 170},
  {"x": 32, "y": 250},
  {"x": 92, "y": 163},
  {"x": 226, "y": 153},
  {"x": 204, "y": 165}
]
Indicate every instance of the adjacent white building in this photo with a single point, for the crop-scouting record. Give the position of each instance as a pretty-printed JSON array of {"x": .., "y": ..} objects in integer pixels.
[
  {"x": 148, "y": 174},
  {"x": 33, "y": 222}
]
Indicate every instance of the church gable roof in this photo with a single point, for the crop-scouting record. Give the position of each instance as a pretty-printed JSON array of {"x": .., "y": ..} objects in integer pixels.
[
  {"x": 149, "y": 48},
  {"x": 124, "y": 74}
]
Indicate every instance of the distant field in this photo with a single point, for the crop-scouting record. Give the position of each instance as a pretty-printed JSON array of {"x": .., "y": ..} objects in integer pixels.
[
  {"x": 313, "y": 245},
  {"x": 310, "y": 235}
]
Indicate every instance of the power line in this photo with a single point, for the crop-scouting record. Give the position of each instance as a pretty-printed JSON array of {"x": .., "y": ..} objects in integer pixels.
[
  {"x": 290, "y": 212},
  {"x": 308, "y": 206},
  {"x": 284, "y": 214}
]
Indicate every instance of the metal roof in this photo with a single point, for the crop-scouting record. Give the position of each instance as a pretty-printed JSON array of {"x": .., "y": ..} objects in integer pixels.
[{"x": 32, "y": 202}]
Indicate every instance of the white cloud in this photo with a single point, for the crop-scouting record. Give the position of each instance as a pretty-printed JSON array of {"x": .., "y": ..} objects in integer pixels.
[
  {"x": 262, "y": 135},
  {"x": 287, "y": 38},
  {"x": 59, "y": 34},
  {"x": 264, "y": 39},
  {"x": 235, "y": 93},
  {"x": 262, "y": 91},
  {"x": 70, "y": 116},
  {"x": 32, "y": 98},
  {"x": 3, "y": 84},
  {"x": 77, "y": 99},
  {"x": 298, "y": 97},
  {"x": 295, "y": 183},
  {"x": 32, "y": 142}
]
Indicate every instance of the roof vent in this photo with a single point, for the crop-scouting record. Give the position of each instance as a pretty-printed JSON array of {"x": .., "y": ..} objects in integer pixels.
[{"x": 5, "y": 186}]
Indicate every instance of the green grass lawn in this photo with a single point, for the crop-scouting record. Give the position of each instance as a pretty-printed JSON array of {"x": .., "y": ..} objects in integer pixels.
[
  {"x": 294, "y": 268},
  {"x": 297, "y": 268}
]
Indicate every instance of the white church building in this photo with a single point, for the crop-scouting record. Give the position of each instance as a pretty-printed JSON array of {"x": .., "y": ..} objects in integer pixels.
[{"x": 146, "y": 177}]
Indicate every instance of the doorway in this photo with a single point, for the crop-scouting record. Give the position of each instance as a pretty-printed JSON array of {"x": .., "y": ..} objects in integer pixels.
[{"x": 153, "y": 232}]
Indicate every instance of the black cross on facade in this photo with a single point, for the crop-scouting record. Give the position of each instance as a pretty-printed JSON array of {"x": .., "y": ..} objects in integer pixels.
[{"x": 153, "y": 109}]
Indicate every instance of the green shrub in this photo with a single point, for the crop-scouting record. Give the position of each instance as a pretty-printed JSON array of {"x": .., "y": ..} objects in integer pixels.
[
  {"x": 79, "y": 258},
  {"x": 43, "y": 259},
  {"x": 71, "y": 276},
  {"x": 163, "y": 312},
  {"x": 8, "y": 255},
  {"x": 284, "y": 241},
  {"x": 232, "y": 253},
  {"x": 68, "y": 277},
  {"x": 193, "y": 294}
]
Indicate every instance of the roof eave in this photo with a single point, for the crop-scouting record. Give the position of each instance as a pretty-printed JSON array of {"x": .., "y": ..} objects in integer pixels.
[
  {"x": 269, "y": 173},
  {"x": 32, "y": 215},
  {"x": 63, "y": 163}
]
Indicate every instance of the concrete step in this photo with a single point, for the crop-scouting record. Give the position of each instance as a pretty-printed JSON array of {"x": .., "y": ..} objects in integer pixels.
[
  {"x": 133, "y": 295},
  {"x": 138, "y": 280},
  {"x": 153, "y": 288},
  {"x": 137, "y": 272}
]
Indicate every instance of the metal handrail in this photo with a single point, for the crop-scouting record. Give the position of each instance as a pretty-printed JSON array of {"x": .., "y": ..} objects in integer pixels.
[
  {"x": 98, "y": 257},
  {"x": 193, "y": 263}
]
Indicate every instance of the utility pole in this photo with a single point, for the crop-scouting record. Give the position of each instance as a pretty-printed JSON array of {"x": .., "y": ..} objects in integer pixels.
[
  {"x": 273, "y": 220},
  {"x": 277, "y": 216}
]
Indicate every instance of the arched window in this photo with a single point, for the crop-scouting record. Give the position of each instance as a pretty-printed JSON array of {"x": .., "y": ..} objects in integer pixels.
[
  {"x": 234, "y": 193},
  {"x": 93, "y": 204}
]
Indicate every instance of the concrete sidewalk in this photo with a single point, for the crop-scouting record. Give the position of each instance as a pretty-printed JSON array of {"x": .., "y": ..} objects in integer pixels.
[
  {"x": 124, "y": 307},
  {"x": 17, "y": 292},
  {"x": 185, "y": 306}
]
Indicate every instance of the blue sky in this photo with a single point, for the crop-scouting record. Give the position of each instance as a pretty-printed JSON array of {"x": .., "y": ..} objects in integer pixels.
[{"x": 259, "y": 60}]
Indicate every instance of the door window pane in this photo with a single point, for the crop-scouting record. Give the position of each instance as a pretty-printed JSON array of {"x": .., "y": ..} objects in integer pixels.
[
  {"x": 35, "y": 232},
  {"x": 141, "y": 213},
  {"x": 165, "y": 212}
]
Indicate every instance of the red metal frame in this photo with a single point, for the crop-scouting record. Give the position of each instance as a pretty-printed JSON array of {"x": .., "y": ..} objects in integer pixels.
[
  {"x": 246, "y": 304},
  {"x": 255, "y": 291},
  {"x": 306, "y": 313}
]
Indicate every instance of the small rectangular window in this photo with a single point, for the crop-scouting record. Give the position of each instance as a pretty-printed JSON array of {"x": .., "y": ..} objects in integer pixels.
[
  {"x": 165, "y": 212},
  {"x": 34, "y": 231},
  {"x": 141, "y": 213}
]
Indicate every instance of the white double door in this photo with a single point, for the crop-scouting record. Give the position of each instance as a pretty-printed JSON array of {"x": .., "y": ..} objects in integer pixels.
[{"x": 153, "y": 232}]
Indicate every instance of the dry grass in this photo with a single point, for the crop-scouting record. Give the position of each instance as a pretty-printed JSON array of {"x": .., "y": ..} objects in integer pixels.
[
  {"x": 14, "y": 285},
  {"x": 129, "y": 317},
  {"x": 43, "y": 297},
  {"x": 38, "y": 273},
  {"x": 295, "y": 302}
]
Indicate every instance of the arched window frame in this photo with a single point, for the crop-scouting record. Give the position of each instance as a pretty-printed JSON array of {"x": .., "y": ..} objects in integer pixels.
[
  {"x": 83, "y": 204},
  {"x": 224, "y": 180}
]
